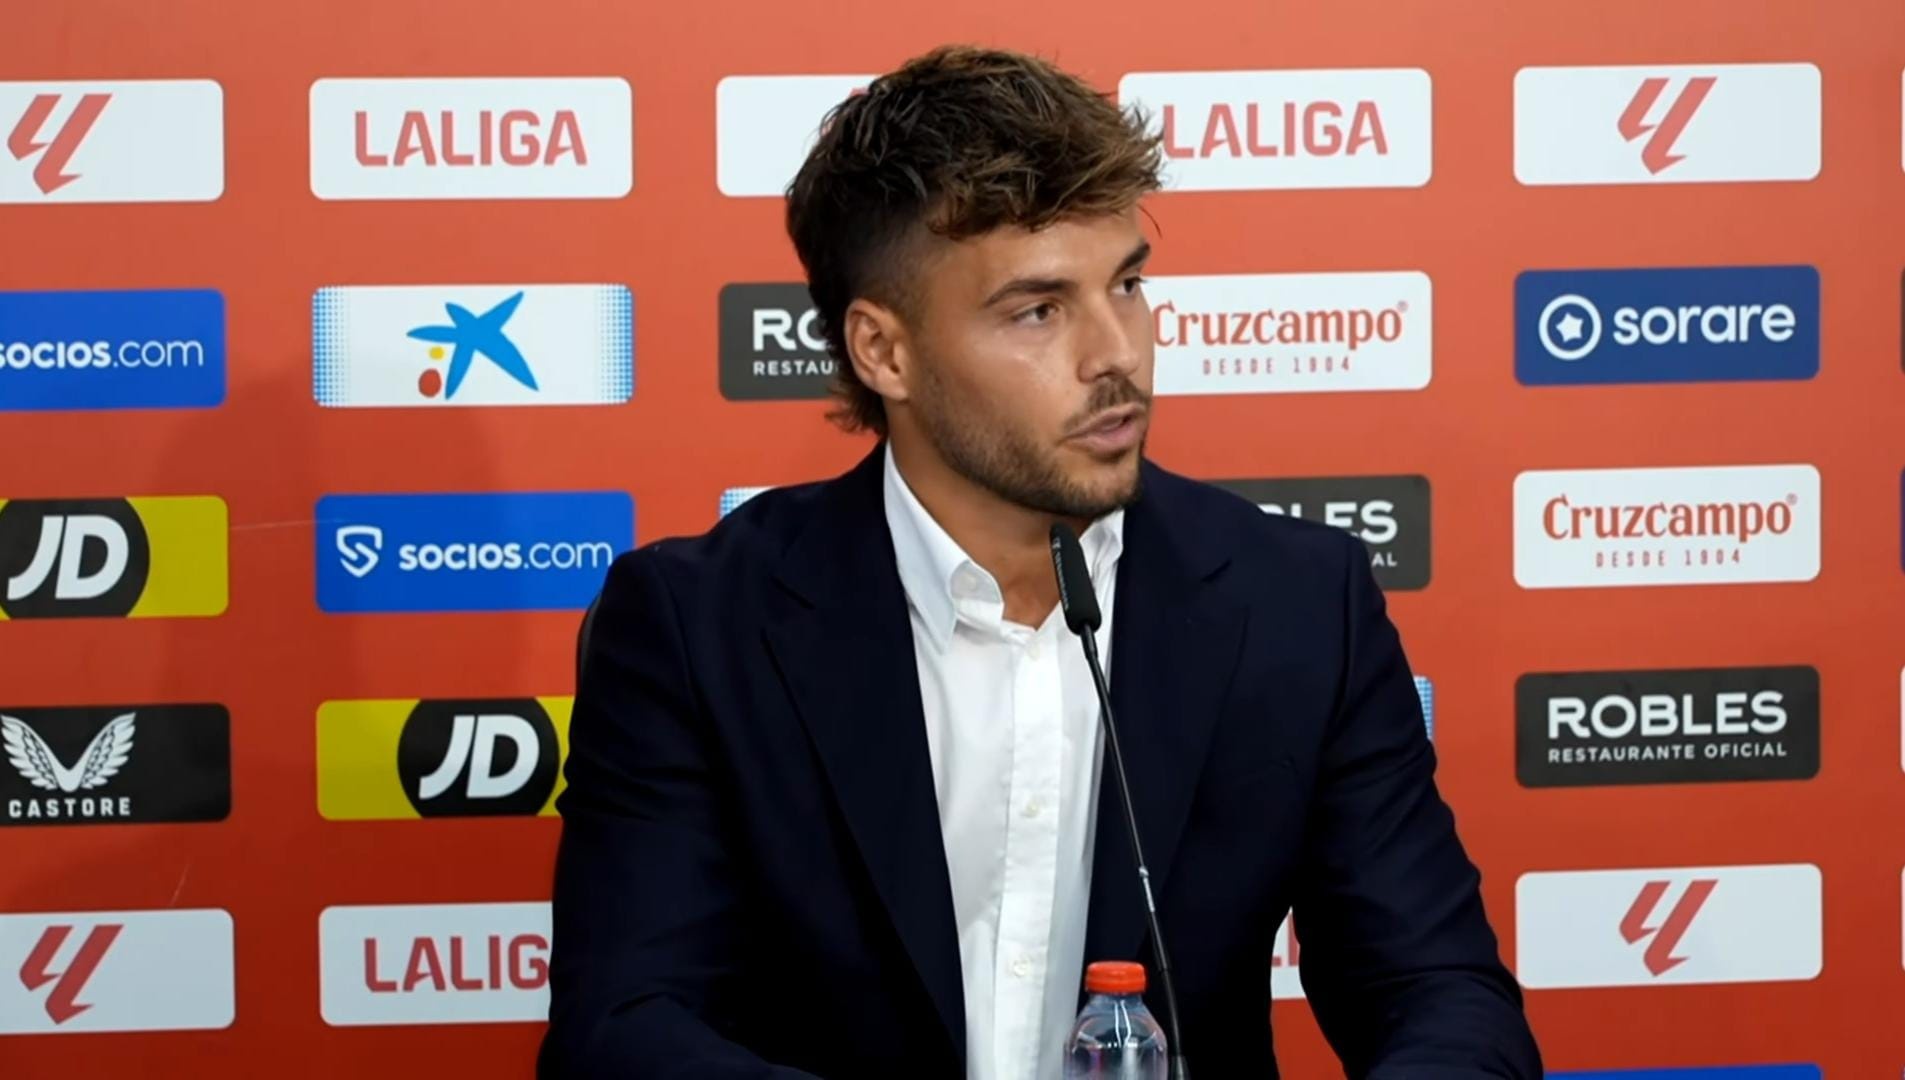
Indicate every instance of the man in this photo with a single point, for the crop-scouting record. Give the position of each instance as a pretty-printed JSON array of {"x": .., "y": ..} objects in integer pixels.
[{"x": 834, "y": 804}]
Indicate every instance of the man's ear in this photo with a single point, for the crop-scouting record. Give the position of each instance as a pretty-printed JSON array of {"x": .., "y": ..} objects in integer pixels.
[{"x": 879, "y": 348}]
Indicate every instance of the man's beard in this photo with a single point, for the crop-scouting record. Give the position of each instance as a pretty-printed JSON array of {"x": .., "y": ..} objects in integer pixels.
[{"x": 1005, "y": 462}]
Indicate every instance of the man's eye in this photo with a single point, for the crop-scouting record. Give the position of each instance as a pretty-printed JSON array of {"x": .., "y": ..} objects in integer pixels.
[
  {"x": 1133, "y": 283},
  {"x": 1038, "y": 313}
]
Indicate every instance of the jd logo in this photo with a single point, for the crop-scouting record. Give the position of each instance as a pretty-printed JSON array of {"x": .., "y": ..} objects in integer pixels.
[
  {"x": 472, "y": 758},
  {"x": 71, "y": 557}
]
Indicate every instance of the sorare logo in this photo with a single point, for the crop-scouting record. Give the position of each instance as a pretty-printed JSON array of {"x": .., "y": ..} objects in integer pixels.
[
  {"x": 771, "y": 345},
  {"x": 1389, "y": 514},
  {"x": 1256, "y": 130},
  {"x": 468, "y": 552},
  {"x": 121, "y": 764},
  {"x": 122, "y": 349},
  {"x": 434, "y": 345},
  {"x": 142, "y": 557},
  {"x": 155, "y": 140},
  {"x": 1695, "y": 123},
  {"x": 1693, "y": 725},
  {"x": 503, "y": 138},
  {"x": 1707, "y": 324},
  {"x": 390, "y": 759}
]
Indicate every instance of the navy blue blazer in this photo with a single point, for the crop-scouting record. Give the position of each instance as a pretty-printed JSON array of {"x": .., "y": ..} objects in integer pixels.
[{"x": 751, "y": 880}]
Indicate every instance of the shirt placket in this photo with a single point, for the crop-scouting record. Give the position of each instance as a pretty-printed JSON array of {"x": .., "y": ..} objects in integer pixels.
[{"x": 1031, "y": 852}]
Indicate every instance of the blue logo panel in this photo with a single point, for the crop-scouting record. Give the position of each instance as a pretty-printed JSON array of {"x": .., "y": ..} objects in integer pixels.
[
  {"x": 127, "y": 349},
  {"x": 539, "y": 551},
  {"x": 1711, "y": 324},
  {"x": 1724, "y": 1072}
]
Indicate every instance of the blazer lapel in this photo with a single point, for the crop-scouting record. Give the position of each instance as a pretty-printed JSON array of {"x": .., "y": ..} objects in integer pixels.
[
  {"x": 845, "y": 652},
  {"x": 1174, "y": 650}
]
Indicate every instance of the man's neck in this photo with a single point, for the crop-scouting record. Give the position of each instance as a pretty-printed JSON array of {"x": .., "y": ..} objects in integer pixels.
[{"x": 1011, "y": 542}]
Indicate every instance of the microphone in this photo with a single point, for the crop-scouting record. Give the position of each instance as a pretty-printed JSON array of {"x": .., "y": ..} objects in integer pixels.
[{"x": 1080, "y": 604}]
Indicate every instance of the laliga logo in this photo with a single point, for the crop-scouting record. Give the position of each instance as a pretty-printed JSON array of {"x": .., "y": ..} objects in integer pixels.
[{"x": 50, "y": 174}]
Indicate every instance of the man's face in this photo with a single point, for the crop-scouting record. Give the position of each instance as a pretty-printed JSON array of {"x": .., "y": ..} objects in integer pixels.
[{"x": 1033, "y": 357}]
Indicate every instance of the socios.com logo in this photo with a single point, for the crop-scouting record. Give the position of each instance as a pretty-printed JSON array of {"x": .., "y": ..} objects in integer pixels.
[
  {"x": 1709, "y": 324},
  {"x": 477, "y": 552},
  {"x": 121, "y": 349},
  {"x": 113, "y": 558}
]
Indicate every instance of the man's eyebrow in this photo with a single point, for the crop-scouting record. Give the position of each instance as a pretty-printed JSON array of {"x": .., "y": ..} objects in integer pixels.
[
  {"x": 1036, "y": 286},
  {"x": 1138, "y": 255}
]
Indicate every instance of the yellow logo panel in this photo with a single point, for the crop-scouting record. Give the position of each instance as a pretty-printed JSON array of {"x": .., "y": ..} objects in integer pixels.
[
  {"x": 441, "y": 757},
  {"x": 147, "y": 557}
]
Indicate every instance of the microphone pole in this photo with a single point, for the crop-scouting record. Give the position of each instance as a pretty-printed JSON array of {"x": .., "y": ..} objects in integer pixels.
[{"x": 1079, "y": 602}]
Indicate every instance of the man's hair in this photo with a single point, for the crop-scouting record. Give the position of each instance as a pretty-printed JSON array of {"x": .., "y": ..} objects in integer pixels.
[{"x": 955, "y": 143}]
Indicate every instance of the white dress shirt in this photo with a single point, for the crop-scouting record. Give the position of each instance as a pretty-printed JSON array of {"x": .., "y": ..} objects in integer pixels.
[{"x": 1012, "y": 725}]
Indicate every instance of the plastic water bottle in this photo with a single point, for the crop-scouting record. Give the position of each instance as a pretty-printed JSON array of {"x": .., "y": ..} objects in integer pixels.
[{"x": 1116, "y": 1037}]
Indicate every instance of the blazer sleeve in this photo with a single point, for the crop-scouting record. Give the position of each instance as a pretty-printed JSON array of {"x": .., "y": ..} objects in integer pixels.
[
  {"x": 647, "y": 902},
  {"x": 1399, "y": 962}
]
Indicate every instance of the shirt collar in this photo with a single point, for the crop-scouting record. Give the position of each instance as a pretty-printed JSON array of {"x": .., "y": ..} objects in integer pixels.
[{"x": 934, "y": 568}]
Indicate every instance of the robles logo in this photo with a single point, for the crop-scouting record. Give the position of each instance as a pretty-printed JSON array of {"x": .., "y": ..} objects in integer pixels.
[
  {"x": 1673, "y": 726},
  {"x": 1675, "y": 526},
  {"x": 1389, "y": 514},
  {"x": 1290, "y": 333},
  {"x": 1650, "y": 326},
  {"x": 771, "y": 345},
  {"x": 479, "y": 552}
]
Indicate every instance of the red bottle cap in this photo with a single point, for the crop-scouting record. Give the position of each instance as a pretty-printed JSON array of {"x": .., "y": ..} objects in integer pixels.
[{"x": 1114, "y": 977}]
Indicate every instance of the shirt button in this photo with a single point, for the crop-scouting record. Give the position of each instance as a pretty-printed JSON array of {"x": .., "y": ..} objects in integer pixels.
[
  {"x": 1032, "y": 649},
  {"x": 1021, "y": 967},
  {"x": 1034, "y": 808}
]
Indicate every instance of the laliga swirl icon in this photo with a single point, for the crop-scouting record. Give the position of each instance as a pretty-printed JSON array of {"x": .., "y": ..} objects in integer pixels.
[{"x": 1575, "y": 321}]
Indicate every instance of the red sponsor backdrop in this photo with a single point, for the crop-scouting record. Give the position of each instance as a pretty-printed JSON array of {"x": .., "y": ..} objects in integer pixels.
[{"x": 270, "y": 452}]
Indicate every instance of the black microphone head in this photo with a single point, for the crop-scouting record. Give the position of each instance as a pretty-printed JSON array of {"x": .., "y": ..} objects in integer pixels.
[{"x": 1075, "y": 594}]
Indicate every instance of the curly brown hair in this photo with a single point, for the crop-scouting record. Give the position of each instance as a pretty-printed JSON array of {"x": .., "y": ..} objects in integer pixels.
[{"x": 954, "y": 143}]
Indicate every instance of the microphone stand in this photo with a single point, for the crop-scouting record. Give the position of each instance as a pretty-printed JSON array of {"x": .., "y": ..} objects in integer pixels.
[{"x": 1080, "y": 604}]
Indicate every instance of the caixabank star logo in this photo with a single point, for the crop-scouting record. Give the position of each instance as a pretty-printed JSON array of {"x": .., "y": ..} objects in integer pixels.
[{"x": 135, "y": 558}]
